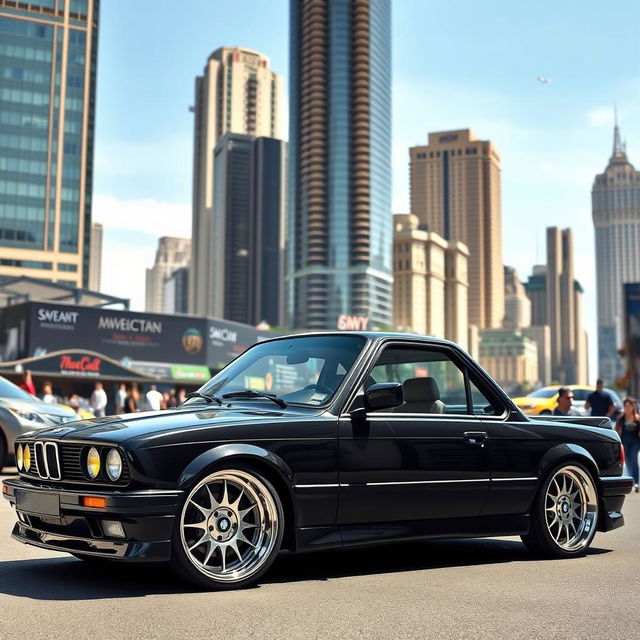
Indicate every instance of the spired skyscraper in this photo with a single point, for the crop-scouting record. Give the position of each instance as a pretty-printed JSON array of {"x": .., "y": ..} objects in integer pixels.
[
  {"x": 48, "y": 58},
  {"x": 340, "y": 222},
  {"x": 616, "y": 217}
]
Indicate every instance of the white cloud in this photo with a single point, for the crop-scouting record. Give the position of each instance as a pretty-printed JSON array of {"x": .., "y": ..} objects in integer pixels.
[
  {"x": 601, "y": 116},
  {"x": 145, "y": 215}
]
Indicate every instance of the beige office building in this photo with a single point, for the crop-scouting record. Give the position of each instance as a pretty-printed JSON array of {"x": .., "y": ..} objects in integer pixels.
[
  {"x": 510, "y": 357},
  {"x": 172, "y": 254},
  {"x": 95, "y": 257},
  {"x": 455, "y": 192},
  {"x": 48, "y": 59},
  {"x": 517, "y": 306},
  {"x": 237, "y": 93},
  {"x": 430, "y": 284}
]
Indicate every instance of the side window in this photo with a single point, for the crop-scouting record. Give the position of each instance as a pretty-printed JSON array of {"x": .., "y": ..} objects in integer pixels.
[
  {"x": 581, "y": 394},
  {"x": 431, "y": 382},
  {"x": 481, "y": 405}
]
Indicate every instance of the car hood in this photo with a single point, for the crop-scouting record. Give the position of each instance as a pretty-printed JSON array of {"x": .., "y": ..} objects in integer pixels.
[
  {"x": 38, "y": 406},
  {"x": 117, "y": 429},
  {"x": 528, "y": 400}
]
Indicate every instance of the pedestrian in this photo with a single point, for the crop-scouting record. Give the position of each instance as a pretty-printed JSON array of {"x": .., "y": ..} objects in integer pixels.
[
  {"x": 133, "y": 399},
  {"x": 27, "y": 383},
  {"x": 600, "y": 402},
  {"x": 628, "y": 428},
  {"x": 121, "y": 398},
  {"x": 98, "y": 400},
  {"x": 47, "y": 394},
  {"x": 165, "y": 400},
  {"x": 173, "y": 401},
  {"x": 181, "y": 397},
  {"x": 154, "y": 398},
  {"x": 565, "y": 403}
]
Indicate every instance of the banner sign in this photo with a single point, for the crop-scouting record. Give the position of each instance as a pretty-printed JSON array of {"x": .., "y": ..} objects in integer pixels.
[
  {"x": 74, "y": 364},
  {"x": 122, "y": 335}
]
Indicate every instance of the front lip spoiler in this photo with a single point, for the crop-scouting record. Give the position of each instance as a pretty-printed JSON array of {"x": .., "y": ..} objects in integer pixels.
[{"x": 148, "y": 551}]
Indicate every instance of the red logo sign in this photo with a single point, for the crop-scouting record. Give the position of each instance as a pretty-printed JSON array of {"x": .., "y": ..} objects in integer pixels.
[{"x": 84, "y": 364}]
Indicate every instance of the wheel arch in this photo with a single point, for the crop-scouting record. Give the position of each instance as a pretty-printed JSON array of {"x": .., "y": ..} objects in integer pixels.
[
  {"x": 262, "y": 460},
  {"x": 568, "y": 452}
]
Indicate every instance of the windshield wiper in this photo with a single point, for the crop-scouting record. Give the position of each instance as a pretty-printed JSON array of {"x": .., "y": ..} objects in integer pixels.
[
  {"x": 209, "y": 399},
  {"x": 252, "y": 393}
]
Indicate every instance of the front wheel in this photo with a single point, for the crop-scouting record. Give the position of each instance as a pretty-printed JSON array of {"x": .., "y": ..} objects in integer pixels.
[
  {"x": 229, "y": 529},
  {"x": 564, "y": 514}
]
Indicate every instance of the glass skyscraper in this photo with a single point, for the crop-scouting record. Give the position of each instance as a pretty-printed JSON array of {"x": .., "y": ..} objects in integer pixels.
[
  {"x": 340, "y": 222},
  {"x": 48, "y": 56}
]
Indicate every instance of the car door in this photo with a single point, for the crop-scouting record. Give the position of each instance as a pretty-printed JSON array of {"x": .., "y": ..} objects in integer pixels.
[{"x": 424, "y": 460}]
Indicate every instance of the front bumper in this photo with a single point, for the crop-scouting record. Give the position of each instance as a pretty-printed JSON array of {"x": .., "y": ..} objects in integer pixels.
[
  {"x": 55, "y": 519},
  {"x": 612, "y": 494}
]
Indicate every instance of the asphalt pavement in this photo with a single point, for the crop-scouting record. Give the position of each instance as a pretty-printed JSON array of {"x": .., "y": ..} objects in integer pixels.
[{"x": 489, "y": 588}]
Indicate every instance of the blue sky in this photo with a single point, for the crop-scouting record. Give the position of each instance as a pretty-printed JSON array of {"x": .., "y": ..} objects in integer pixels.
[{"x": 457, "y": 64}]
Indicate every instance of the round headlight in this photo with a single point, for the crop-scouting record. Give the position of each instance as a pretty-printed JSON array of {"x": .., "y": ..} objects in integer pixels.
[
  {"x": 114, "y": 464},
  {"x": 26, "y": 457},
  {"x": 19, "y": 457},
  {"x": 93, "y": 463}
]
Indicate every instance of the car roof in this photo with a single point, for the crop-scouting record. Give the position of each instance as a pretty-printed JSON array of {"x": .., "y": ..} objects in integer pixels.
[{"x": 371, "y": 335}]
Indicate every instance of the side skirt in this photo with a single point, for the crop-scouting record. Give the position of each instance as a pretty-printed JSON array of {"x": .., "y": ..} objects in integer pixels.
[{"x": 311, "y": 538}]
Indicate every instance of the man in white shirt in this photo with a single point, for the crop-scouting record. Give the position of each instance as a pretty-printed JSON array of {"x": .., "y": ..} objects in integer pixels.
[
  {"x": 47, "y": 394},
  {"x": 98, "y": 401},
  {"x": 154, "y": 398}
]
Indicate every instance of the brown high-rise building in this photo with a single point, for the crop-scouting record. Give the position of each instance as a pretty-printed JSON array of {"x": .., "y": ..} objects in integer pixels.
[
  {"x": 556, "y": 301},
  {"x": 455, "y": 192},
  {"x": 237, "y": 93},
  {"x": 339, "y": 245}
]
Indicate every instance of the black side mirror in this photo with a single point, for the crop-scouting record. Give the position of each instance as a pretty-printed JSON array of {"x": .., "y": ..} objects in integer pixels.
[{"x": 383, "y": 396}]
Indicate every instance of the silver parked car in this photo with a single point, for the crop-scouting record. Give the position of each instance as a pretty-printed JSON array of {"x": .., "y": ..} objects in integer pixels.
[{"x": 20, "y": 412}]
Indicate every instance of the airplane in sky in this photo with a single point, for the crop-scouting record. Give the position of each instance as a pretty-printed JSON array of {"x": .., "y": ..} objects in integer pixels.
[{"x": 543, "y": 79}]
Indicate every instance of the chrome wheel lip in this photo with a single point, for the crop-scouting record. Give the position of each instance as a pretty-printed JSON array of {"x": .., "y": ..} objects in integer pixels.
[
  {"x": 251, "y": 542},
  {"x": 571, "y": 508}
]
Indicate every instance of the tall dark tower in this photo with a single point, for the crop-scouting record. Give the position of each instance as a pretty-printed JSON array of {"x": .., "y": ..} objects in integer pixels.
[
  {"x": 48, "y": 56},
  {"x": 340, "y": 222}
]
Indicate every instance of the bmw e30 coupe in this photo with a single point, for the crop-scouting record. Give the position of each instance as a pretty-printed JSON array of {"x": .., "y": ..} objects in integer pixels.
[{"x": 316, "y": 441}]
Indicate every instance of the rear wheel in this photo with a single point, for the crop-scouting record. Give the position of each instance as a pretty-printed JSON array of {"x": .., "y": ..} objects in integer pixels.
[
  {"x": 565, "y": 513},
  {"x": 229, "y": 529},
  {"x": 545, "y": 412}
]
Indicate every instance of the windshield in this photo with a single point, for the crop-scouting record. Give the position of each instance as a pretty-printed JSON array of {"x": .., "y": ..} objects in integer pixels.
[
  {"x": 544, "y": 393},
  {"x": 306, "y": 370},
  {"x": 10, "y": 390}
]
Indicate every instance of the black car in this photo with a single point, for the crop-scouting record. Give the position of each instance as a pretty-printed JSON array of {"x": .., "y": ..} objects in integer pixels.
[{"x": 311, "y": 442}]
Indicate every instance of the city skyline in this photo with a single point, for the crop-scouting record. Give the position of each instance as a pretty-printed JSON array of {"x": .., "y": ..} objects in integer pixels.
[{"x": 553, "y": 138}]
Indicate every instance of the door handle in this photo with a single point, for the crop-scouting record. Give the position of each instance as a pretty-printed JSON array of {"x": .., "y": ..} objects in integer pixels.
[{"x": 475, "y": 437}]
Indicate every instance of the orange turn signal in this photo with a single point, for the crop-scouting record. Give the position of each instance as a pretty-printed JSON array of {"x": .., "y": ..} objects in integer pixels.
[
  {"x": 90, "y": 501},
  {"x": 5, "y": 489}
]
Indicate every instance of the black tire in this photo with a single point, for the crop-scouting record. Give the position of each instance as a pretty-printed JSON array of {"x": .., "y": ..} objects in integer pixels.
[
  {"x": 545, "y": 412},
  {"x": 554, "y": 513},
  {"x": 192, "y": 551}
]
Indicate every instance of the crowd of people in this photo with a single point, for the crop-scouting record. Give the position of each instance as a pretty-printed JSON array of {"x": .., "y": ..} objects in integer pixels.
[{"x": 127, "y": 398}]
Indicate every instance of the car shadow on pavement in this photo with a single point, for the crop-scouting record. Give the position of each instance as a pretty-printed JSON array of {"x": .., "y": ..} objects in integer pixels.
[{"x": 65, "y": 578}]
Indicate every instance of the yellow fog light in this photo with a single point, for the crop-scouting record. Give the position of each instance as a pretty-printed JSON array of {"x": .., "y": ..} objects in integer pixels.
[
  {"x": 26, "y": 457},
  {"x": 114, "y": 464},
  {"x": 93, "y": 463},
  {"x": 19, "y": 457}
]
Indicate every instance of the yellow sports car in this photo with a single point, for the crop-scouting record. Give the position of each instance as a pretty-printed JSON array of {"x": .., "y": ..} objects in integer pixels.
[{"x": 544, "y": 400}]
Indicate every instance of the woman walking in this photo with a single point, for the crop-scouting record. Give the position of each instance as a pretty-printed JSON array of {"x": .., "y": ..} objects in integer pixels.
[{"x": 628, "y": 428}]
